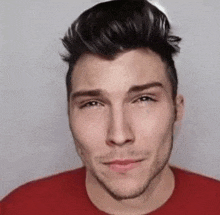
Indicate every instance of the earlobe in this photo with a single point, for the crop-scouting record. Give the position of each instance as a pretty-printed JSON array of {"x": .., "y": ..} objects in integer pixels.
[{"x": 179, "y": 103}]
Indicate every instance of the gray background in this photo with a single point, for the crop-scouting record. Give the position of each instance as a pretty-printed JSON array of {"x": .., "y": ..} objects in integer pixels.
[{"x": 35, "y": 140}]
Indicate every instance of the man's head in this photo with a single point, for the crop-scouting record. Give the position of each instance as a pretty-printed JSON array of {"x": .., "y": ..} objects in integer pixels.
[
  {"x": 122, "y": 87},
  {"x": 110, "y": 28}
]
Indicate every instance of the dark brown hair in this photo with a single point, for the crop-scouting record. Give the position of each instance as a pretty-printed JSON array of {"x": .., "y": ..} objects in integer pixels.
[{"x": 115, "y": 26}]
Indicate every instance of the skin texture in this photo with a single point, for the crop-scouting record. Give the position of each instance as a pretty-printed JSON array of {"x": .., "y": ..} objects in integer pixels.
[{"x": 120, "y": 121}]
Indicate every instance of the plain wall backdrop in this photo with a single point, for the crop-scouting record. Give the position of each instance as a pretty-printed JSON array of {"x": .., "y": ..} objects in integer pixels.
[{"x": 35, "y": 140}]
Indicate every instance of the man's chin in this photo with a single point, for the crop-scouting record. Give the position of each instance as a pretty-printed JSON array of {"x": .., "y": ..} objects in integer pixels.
[
  {"x": 128, "y": 185},
  {"x": 121, "y": 189}
]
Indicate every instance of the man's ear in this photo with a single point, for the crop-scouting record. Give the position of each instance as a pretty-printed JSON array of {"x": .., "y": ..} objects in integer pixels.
[
  {"x": 179, "y": 111},
  {"x": 179, "y": 106}
]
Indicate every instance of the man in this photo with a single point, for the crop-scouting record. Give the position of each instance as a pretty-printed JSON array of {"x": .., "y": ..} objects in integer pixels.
[{"x": 123, "y": 108}]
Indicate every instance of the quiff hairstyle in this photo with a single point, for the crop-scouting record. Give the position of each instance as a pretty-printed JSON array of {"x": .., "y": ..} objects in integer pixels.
[{"x": 116, "y": 26}]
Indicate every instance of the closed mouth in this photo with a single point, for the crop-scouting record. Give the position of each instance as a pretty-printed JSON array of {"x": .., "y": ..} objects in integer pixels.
[
  {"x": 123, "y": 161},
  {"x": 122, "y": 166}
]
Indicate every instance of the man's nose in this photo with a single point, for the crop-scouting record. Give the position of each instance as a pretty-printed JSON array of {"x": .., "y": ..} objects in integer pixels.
[{"x": 119, "y": 128}]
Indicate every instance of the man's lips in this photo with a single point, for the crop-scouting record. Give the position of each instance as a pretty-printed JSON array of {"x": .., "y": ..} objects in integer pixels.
[
  {"x": 123, "y": 161},
  {"x": 123, "y": 165}
]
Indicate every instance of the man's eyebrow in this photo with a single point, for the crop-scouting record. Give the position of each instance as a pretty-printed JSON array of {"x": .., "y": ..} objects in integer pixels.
[
  {"x": 139, "y": 88},
  {"x": 85, "y": 93},
  {"x": 98, "y": 92}
]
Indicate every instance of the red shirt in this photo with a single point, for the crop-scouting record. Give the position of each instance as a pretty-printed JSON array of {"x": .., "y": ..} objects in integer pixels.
[{"x": 65, "y": 194}]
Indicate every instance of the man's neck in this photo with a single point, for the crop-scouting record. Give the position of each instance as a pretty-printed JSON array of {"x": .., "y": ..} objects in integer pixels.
[{"x": 158, "y": 192}]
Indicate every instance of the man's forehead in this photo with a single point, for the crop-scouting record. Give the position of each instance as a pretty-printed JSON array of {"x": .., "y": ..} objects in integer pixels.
[
  {"x": 87, "y": 56},
  {"x": 135, "y": 67},
  {"x": 143, "y": 58}
]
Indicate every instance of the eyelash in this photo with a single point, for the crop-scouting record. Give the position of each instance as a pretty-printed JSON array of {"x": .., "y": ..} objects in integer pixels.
[
  {"x": 97, "y": 103},
  {"x": 147, "y": 99},
  {"x": 90, "y": 104}
]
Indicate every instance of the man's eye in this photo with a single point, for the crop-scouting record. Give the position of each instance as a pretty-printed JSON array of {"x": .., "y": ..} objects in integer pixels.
[
  {"x": 144, "y": 99},
  {"x": 90, "y": 104}
]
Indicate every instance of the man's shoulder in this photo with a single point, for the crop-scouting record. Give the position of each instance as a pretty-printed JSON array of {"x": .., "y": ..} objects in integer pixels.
[
  {"x": 196, "y": 190},
  {"x": 74, "y": 178},
  {"x": 189, "y": 178},
  {"x": 63, "y": 189}
]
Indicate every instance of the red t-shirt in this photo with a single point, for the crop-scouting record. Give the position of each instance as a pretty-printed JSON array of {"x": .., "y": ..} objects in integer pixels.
[{"x": 65, "y": 194}]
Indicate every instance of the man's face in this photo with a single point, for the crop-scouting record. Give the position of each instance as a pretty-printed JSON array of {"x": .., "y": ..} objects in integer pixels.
[{"x": 121, "y": 114}]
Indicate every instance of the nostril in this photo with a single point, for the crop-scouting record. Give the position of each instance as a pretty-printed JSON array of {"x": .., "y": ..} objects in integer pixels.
[{"x": 119, "y": 143}]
